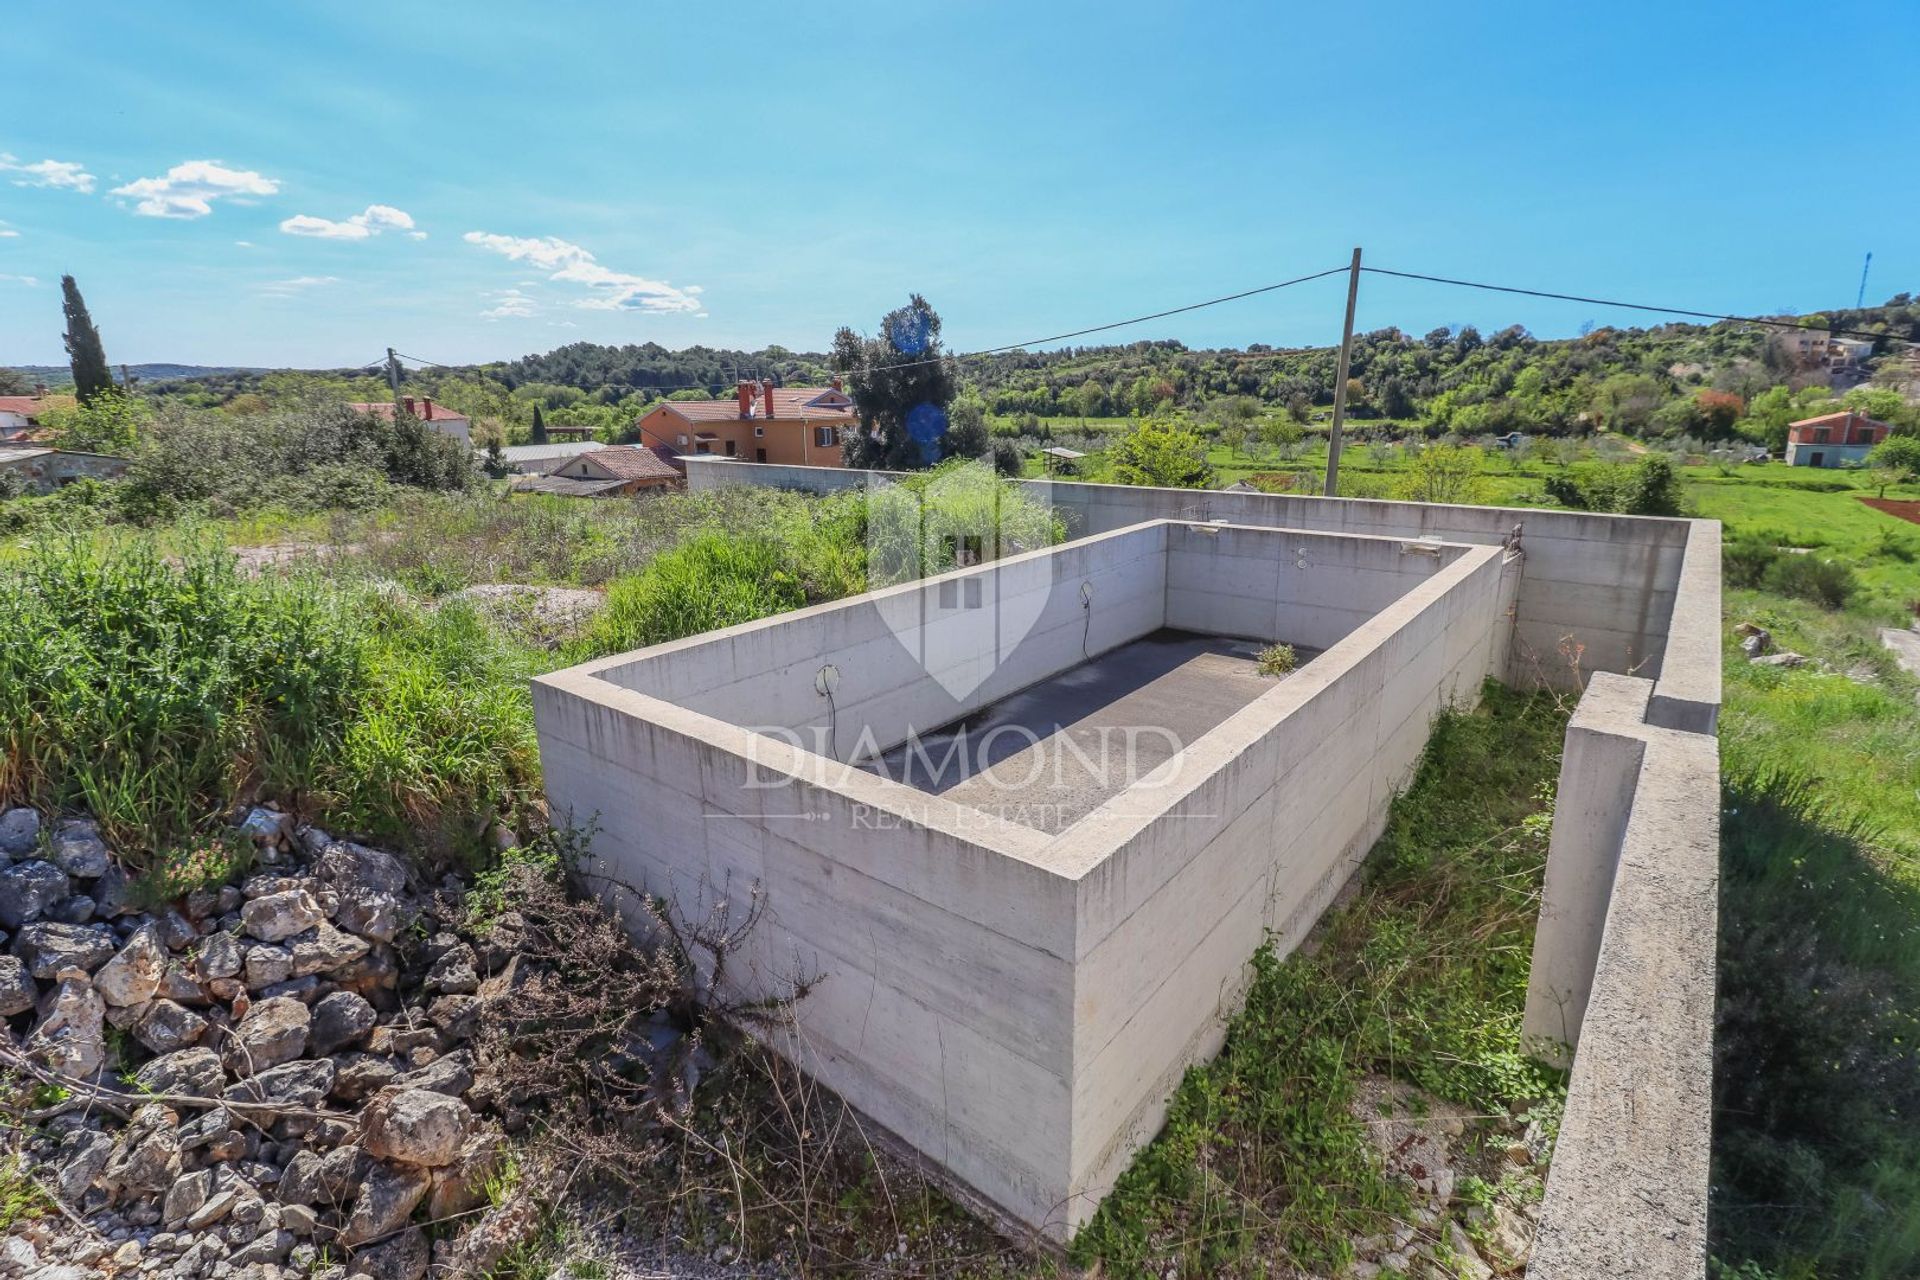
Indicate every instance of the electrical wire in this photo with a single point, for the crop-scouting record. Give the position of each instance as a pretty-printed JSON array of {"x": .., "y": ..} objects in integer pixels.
[{"x": 1631, "y": 306}]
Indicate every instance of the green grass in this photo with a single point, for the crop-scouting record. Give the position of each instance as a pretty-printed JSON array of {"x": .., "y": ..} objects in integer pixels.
[
  {"x": 20, "y": 1199},
  {"x": 1422, "y": 976}
]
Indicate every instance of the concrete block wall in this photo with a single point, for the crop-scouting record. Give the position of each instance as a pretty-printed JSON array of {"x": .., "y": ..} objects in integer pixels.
[
  {"x": 989, "y": 992},
  {"x": 1598, "y": 591},
  {"x": 1255, "y": 830}
]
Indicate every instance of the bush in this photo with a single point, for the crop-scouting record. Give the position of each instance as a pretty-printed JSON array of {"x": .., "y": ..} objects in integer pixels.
[
  {"x": 1008, "y": 460},
  {"x": 1824, "y": 582},
  {"x": 1647, "y": 488},
  {"x": 1747, "y": 558}
]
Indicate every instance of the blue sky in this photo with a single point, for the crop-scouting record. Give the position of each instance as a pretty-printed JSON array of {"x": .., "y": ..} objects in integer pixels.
[{"x": 316, "y": 181}]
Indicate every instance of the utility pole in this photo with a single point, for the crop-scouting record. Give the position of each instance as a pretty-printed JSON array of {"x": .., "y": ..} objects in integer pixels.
[
  {"x": 393, "y": 375},
  {"x": 1340, "y": 381},
  {"x": 1861, "y": 300}
]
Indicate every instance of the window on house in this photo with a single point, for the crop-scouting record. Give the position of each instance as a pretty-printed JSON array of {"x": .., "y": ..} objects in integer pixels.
[
  {"x": 823, "y": 438},
  {"x": 732, "y": 448},
  {"x": 759, "y": 455},
  {"x": 759, "y": 431},
  {"x": 703, "y": 447},
  {"x": 682, "y": 440}
]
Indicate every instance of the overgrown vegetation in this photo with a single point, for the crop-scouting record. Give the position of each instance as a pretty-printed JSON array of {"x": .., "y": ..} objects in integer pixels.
[
  {"x": 1276, "y": 660},
  {"x": 1422, "y": 976},
  {"x": 155, "y": 694}
]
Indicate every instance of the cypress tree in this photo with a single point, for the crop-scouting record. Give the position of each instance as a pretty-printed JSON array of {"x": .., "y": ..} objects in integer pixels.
[
  {"x": 91, "y": 377},
  {"x": 539, "y": 426}
]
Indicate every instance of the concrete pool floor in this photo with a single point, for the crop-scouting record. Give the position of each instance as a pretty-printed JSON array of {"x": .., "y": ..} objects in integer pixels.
[{"x": 1047, "y": 756}]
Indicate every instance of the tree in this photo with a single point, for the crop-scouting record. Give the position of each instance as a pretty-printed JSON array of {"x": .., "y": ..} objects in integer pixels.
[
  {"x": 1158, "y": 452},
  {"x": 14, "y": 383},
  {"x": 901, "y": 383},
  {"x": 1443, "y": 473},
  {"x": 967, "y": 427},
  {"x": 539, "y": 426},
  {"x": 110, "y": 424},
  {"x": 1895, "y": 460},
  {"x": 91, "y": 377}
]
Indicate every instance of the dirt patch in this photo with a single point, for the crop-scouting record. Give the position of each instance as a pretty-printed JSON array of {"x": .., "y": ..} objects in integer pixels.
[{"x": 1908, "y": 511}]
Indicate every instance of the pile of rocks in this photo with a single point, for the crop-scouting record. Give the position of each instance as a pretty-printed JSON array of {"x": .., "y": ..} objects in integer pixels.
[
  {"x": 1428, "y": 1145},
  {"x": 275, "y": 1073}
]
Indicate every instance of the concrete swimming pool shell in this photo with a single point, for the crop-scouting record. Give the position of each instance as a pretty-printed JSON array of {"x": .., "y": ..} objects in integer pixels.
[{"x": 1031, "y": 819}]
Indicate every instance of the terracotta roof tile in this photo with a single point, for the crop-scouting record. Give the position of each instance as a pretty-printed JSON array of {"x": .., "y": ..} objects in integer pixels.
[{"x": 631, "y": 462}]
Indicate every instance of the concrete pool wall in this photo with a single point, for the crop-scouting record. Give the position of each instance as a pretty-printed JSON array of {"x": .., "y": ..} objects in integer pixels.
[{"x": 1013, "y": 1004}]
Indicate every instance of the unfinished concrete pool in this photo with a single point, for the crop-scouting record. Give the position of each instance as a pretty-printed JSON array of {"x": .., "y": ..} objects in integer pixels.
[{"x": 1022, "y": 954}]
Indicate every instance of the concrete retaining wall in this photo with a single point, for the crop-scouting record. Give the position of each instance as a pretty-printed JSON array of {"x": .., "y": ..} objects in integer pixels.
[{"x": 1623, "y": 979}]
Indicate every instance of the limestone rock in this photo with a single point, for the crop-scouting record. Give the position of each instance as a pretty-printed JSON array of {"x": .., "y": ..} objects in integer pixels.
[
  {"x": 185, "y": 1198},
  {"x": 275, "y": 917},
  {"x": 266, "y": 826},
  {"x": 218, "y": 956},
  {"x": 268, "y": 967},
  {"x": 78, "y": 850},
  {"x": 462, "y": 1185},
  {"x": 83, "y": 1154},
  {"x": 272, "y": 1032},
  {"x": 371, "y": 884},
  {"x": 19, "y": 832},
  {"x": 402, "y": 1258},
  {"x": 146, "y": 1158},
  {"x": 360, "y": 1075},
  {"x": 1786, "y": 659},
  {"x": 455, "y": 972},
  {"x": 415, "y": 1127},
  {"x": 166, "y": 1027},
  {"x": 327, "y": 950},
  {"x": 300, "y": 1084},
  {"x": 113, "y": 894},
  {"x": 52, "y": 950},
  {"x": 339, "y": 1020},
  {"x": 17, "y": 992},
  {"x": 452, "y": 1075},
  {"x": 71, "y": 1034},
  {"x": 195, "y": 1072},
  {"x": 385, "y": 1201},
  {"x": 133, "y": 975},
  {"x": 27, "y": 889}
]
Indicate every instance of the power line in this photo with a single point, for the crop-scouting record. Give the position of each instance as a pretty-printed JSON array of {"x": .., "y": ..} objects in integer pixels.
[{"x": 1632, "y": 306}]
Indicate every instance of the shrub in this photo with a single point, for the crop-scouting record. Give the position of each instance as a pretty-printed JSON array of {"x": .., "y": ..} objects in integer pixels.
[
  {"x": 1825, "y": 582},
  {"x": 1747, "y": 558},
  {"x": 1166, "y": 454},
  {"x": 1277, "y": 660},
  {"x": 1008, "y": 460}
]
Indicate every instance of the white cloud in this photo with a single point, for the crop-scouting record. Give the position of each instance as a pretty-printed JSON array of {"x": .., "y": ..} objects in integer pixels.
[
  {"x": 8, "y": 233},
  {"x": 244, "y": 244},
  {"x": 361, "y": 226},
  {"x": 512, "y": 305},
  {"x": 608, "y": 290},
  {"x": 297, "y": 285},
  {"x": 64, "y": 174},
  {"x": 189, "y": 190},
  {"x": 28, "y": 281}
]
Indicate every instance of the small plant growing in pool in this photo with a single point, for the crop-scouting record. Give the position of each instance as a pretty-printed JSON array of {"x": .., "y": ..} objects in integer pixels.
[{"x": 1277, "y": 660}]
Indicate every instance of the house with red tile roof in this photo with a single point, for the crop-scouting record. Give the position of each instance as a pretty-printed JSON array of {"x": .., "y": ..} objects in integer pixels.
[
  {"x": 797, "y": 426},
  {"x": 615, "y": 471},
  {"x": 1833, "y": 439},
  {"x": 436, "y": 416},
  {"x": 20, "y": 416}
]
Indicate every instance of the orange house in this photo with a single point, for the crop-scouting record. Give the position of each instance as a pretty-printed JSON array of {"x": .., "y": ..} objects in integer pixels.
[{"x": 795, "y": 426}]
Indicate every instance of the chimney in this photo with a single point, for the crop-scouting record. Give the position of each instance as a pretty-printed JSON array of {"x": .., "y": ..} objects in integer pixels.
[
  {"x": 767, "y": 386},
  {"x": 745, "y": 392},
  {"x": 836, "y": 383},
  {"x": 407, "y": 401},
  {"x": 426, "y": 411}
]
